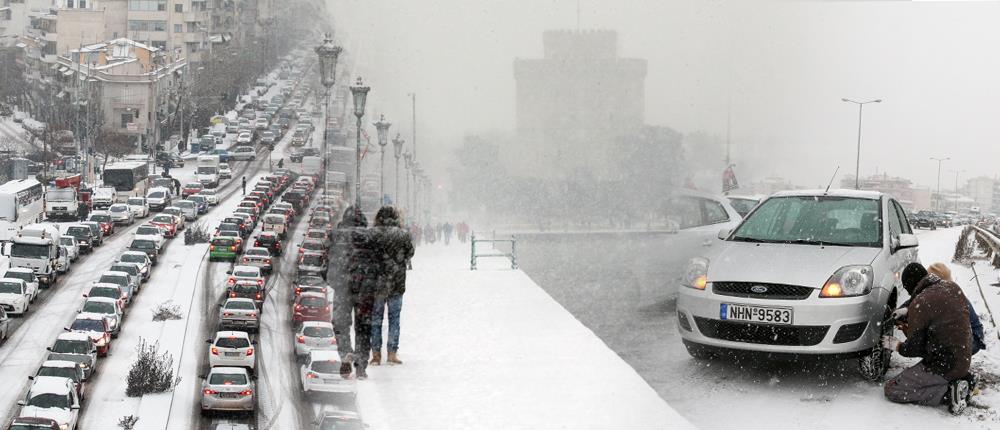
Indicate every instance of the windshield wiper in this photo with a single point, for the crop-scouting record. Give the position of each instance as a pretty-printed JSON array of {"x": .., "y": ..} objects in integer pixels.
[
  {"x": 818, "y": 242},
  {"x": 749, "y": 239}
]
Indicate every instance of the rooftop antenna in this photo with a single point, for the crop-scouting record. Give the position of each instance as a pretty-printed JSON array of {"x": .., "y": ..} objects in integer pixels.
[{"x": 831, "y": 180}]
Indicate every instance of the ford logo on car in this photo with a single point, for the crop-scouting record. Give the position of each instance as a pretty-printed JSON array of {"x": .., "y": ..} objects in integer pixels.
[{"x": 758, "y": 289}]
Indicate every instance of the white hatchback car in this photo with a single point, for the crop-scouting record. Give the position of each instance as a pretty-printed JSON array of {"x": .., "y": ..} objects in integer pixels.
[
  {"x": 210, "y": 196},
  {"x": 227, "y": 389},
  {"x": 232, "y": 348},
  {"x": 245, "y": 273},
  {"x": 14, "y": 296},
  {"x": 52, "y": 397},
  {"x": 321, "y": 373},
  {"x": 806, "y": 273},
  {"x": 314, "y": 336},
  {"x": 138, "y": 206}
]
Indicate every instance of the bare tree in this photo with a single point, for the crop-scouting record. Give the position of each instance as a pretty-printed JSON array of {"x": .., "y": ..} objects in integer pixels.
[{"x": 112, "y": 145}]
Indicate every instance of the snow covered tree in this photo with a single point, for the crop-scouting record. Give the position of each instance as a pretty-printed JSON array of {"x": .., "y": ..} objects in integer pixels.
[{"x": 151, "y": 372}]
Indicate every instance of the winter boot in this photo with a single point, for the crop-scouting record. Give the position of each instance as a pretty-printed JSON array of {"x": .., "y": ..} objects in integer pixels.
[
  {"x": 359, "y": 370},
  {"x": 958, "y": 396},
  {"x": 393, "y": 359},
  {"x": 377, "y": 358},
  {"x": 345, "y": 370}
]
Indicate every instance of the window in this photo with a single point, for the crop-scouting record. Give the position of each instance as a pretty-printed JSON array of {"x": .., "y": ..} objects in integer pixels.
[
  {"x": 179, "y": 8},
  {"x": 147, "y": 5},
  {"x": 902, "y": 218},
  {"x": 147, "y": 25},
  {"x": 69, "y": 4},
  {"x": 82, "y": 4},
  {"x": 836, "y": 220},
  {"x": 714, "y": 212},
  {"x": 178, "y": 28},
  {"x": 895, "y": 227}
]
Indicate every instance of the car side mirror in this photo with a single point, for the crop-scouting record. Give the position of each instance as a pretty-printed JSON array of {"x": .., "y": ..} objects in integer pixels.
[
  {"x": 208, "y": 340},
  {"x": 21, "y": 403},
  {"x": 907, "y": 241},
  {"x": 31, "y": 377},
  {"x": 48, "y": 348},
  {"x": 229, "y": 272},
  {"x": 724, "y": 233},
  {"x": 75, "y": 407},
  {"x": 202, "y": 377},
  {"x": 253, "y": 342},
  {"x": 66, "y": 329}
]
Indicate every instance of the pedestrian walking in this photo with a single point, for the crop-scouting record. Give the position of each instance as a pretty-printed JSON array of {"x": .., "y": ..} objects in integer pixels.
[
  {"x": 244, "y": 185},
  {"x": 354, "y": 277},
  {"x": 463, "y": 232},
  {"x": 937, "y": 331},
  {"x": 447, "y": 229},
  {"x": 395, "y": 249},
  {"x": 428, "y": 233}
]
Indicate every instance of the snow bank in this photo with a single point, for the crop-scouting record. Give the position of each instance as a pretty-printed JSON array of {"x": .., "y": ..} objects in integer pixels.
[{"x": 490, "y": 349}]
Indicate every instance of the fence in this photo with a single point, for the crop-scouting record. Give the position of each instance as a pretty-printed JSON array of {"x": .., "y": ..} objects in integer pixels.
[{"x": 512, "y": 255}]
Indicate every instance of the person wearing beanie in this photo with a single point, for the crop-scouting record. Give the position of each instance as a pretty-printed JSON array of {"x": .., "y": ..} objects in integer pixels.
[{"x": 937, "y": 331}]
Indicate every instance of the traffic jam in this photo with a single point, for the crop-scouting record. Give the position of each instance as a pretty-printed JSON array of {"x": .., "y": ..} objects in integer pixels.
[{"x": 66, "y": 225}]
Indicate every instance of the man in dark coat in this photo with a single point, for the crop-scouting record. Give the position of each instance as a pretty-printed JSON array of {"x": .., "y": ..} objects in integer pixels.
[
  {"x": 938, "y": 332},
  {"x": 395, "y": 249},
  {"x": 353, "y": 276}
]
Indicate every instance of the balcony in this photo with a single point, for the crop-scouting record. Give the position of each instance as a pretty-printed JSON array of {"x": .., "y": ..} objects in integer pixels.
[
  {"x": 194, "y": 37},
  {"x": 196, "y": 16}
]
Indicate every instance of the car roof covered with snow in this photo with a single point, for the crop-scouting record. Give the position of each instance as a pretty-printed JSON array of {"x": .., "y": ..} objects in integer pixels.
[
  {"x": 59, "y": 363},
  {"x": 50, "y": 385},
  {"x": 90, "y": 316},
  {"x": 74, "y": 336},
  {"x": 19, "y": 270}
]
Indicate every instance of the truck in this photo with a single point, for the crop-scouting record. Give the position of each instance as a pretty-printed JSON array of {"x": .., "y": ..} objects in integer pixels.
[
  {"x": 65, "y": 201},
  {"x": 208, "y": 170},
  {"x": 21, "y": 204},
  {"x": 36, "y": 247},
  {"x": 104, "y": 197}
]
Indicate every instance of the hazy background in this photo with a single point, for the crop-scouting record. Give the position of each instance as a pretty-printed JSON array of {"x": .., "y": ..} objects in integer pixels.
[{"x": 782, "y": 68}]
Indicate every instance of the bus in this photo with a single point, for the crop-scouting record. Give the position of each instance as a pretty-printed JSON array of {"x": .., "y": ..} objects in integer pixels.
[
  {"x": 21, "y": 204},
  {"x": 129, "y": 179}
]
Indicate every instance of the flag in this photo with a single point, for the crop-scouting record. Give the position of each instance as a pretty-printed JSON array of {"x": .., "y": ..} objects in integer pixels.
[
  {"x": 368, "y": 143},
  {"x": 729, "y": 182}
]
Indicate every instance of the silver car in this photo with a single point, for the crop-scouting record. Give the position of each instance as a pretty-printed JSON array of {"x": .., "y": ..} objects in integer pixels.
[
  {"x": 239, "y": 313},
  {"x": 228, "y": 389},
  {"x": 258, "y": 257},
  {"x": 806, "y": 273}
]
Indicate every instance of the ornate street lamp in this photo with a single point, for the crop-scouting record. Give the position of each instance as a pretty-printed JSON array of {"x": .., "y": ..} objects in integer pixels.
[
  {"x": 382, "y": 126},
  {"x": 408, "y": 163},
  {"x": 327, "y": 53},
  {"x": 360, "y": 93},
  {"x": 397, "y": 146}
]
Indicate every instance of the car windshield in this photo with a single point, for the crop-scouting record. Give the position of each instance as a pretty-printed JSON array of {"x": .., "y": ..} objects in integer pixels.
[
  {"x": 185, "y": 204},
  {"x": 246, "y": 289},
  {"x": 100, "y": 218},
  {"x": 99, "y": 307},
  {"x": 163, "y": 219},
  {"x": 240, "y": 305},
  {"x": 156, "y": 195},
  {"x": 246, "y": 274},
  {"x": 227, "y": 379},
  {"x": 222, "y": 242},
  {"x": 314, "y": 302},
  {"x": 87, "y": 325},
  {"x": 134, "y": 258},
  {"x": 111, "y": 293},
  {"x": 313, "y": 246},
  {"x": 311, "y": 280},
  {"x": 232, "y": 342},
  {"x": 334, "y": 423},
  {"x": 10, "y": 288},
  {"x": 24, "y": 250},
  {"x": 136, "y": 202},
  {"x": 68, "y": 241},
  {"x": 228, "y": 226},
  {"x": 50, "y": 400},
  {"x": 274, "y": 219},
  {"x": 318, "y": 331},
  {"x": 206, "y": 170},
  {"x": 60, "y": 372},
  {"x": 24, "y": 276},
  {"x": 72, "y": 346},
  {"x": 315, "y": 235},
  {"x": 148, "y": 230},
  {"x": 258, "y": 252},
  {"x": 207, "y": 192},
  {"x": 193, "y": 185},
  {"x": 132, "y": 270},
  {"x": 829, "y": 220},
  {"x": 143, "y": 244},
  {"x": 312, "y": 260},
  {"x": 119, "y": 208},
  {"x": 325, "y": 366},
  {"x": 79, "y": 231}
]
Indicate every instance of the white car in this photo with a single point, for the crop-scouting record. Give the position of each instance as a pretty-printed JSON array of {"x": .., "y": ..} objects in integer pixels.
[
  {"x": 243, "y": 153},
  {"x": 121, "y": 214},
  {"x": 807, "y": 272},
  {"x": 227, "y": 389},
  {"x": 244, "y": 138},
  {"x": 225, "y": 172},
  {"x": 151, "y": 231},
  {"x": 313, "y": 336},
  {"x": 71, "y": 246},
  {"x": 140, "y": 258},
  {"x": 138, "y": 206},
  {"x": 158, "y": 198},
  {"x": 52, "y": 397},
  {"x": 4, "y": 325},
  {"x": 14, "y": 296},
  {"x": 26, "y": 275},
  {"x": 189, "y": 208},
  {"x": 109, "y": 308},
  {"x": 321, "y": 373},
  {"x": 210, "y": 196},
  {"x": 260, "y": 124},
  {"x": 232, "y": 348},
  {"x": 245, "y": 273}
]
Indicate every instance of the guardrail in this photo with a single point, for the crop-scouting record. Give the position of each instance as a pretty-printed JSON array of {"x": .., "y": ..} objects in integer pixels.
[
  {"x": 992, "y": 242},
  {"x": 512, "y": 255}
]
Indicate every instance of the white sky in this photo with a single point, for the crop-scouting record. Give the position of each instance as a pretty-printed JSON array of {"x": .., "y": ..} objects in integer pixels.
[{"x": 787, "y": 65}]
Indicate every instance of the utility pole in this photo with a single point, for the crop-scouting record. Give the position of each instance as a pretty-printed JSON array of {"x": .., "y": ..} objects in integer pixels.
[
  {"x": 957, "y": 172},
  {"x": 937, "y": 202},
  {"x": 413, "y": 98},
  {"x": 857, "y": 166}
]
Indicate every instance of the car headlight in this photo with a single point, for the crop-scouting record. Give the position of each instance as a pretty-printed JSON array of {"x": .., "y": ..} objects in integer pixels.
[
  {"x": 696, "y": 275},
  {"x": 849, "y": 281},
  {"x": 64, "y": 426}
]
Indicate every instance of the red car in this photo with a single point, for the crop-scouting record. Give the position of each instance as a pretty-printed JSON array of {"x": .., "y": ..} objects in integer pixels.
[
  {"x": 311, "y": 307},
  {"x": 34, "y": 423},
  {"x": 167, "y": 223},
  {"x": 191, "y": 188},
  {"x": 104, "y": 219}
]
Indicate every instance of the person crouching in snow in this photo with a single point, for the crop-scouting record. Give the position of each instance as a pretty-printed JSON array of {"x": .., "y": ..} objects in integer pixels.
[{"x": 938, "y": 332}]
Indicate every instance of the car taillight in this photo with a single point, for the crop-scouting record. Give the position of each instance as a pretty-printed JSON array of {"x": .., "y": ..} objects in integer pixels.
[
  {"x": 231, "y": 281},
  {"x": 232, "y": 248},
  {"x": 267, "y": 261},
  {"x": 246, "y": 392},
  {"x": 311, "y": 375},
  {"x": 227, "y": 314},
  {"x": 298, "y": 290},
  {"x": 232, "y": 294},
  {"x": 209, "y": 391},
  {"x": 333, "y": 341},
  {"x": 300, "y": 339},
  {"x": 215, "y": 351},
  {"x": 245, "y": 259},
  {"x": 253, "y": 315},
  {"x": 260, "y": 282},
  {"x": 211, "y": 247},
  {"x": 298, "y": 307},
  {"x": 256, "y": 243},
  {"x": 326, "y": 308},
  {"x": 249, "y": 351}
]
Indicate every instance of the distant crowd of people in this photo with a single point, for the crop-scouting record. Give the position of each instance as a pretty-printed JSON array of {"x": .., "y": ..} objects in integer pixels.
[{"x": 431, "y": 233}]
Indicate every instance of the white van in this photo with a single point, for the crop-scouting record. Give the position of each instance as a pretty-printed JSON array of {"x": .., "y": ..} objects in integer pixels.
[
  {"x": 275, "y": 223},
  {"x": 806, "y": 273}
]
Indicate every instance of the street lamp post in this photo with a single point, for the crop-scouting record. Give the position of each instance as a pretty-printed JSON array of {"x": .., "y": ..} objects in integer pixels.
[
  {"x": 938, "y": 201},
  {"x": 382, "y": 127},
  {"x": 327, "y": 53},
  {"x": 397, "y": 146},
  {"x": 360, "y": 93},
  {"x": 957, "y": 172},
  {"x": 857, "y": 166},
  {"x": 408, "y": 163}
]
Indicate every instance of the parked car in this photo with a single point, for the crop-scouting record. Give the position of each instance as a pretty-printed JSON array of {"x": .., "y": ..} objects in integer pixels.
[
  {"x": 138, "y": 206},
  {"x": 121, "y": 214},
  {"x": 76, "y": 347},
  {"x": 321, "y": 373},
  {"x": 238, "y": 313},
  {"x": 54, "y": 398},
  {"x": 807, "y": 272},
  {"x": 228, "y": 389},
  {"x": 98, "y": 327},
  {"x": 314, "y": 335},
  {"x": 233, "y": 349}
]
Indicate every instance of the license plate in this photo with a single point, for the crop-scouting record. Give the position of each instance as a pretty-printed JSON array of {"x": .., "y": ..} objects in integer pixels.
[
  {"x": 757, "y": 314},
  {"x": 229, "y": 395},
  {"x": 234, "y": 354}
]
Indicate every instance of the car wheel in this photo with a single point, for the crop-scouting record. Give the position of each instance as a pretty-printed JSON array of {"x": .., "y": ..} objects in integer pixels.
[{"x": 875, "y": 362}]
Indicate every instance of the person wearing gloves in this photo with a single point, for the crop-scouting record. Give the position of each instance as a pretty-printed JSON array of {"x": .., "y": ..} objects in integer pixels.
[{"x": 938, "y": 332}]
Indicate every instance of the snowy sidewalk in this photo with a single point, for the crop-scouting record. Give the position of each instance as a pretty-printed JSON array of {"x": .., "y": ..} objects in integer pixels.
[{"x": 490, "y": 349}]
